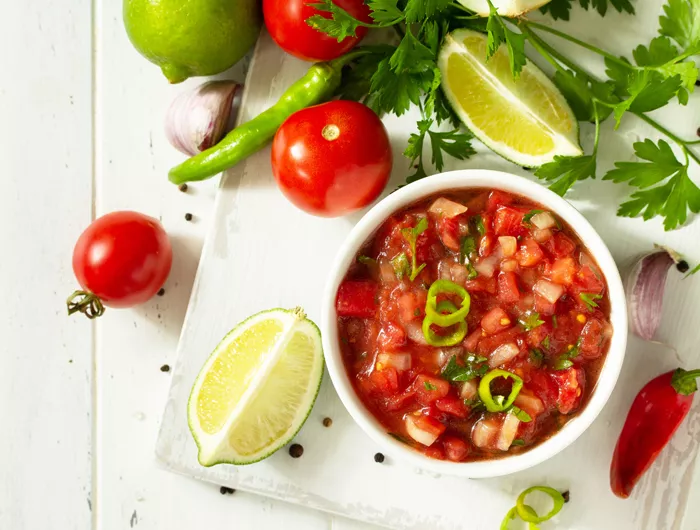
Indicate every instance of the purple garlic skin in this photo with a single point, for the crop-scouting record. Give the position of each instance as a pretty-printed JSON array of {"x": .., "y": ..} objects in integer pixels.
[
  {"x": 199, "y": 118},
  {"x": 645, "y": 288}
]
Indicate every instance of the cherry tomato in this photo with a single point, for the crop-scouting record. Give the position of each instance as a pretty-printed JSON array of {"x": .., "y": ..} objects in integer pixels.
[
  {"x": 332, "y": 159},
  {"x": 121, "y": 260},
  {"x": 286, "y": 22}
]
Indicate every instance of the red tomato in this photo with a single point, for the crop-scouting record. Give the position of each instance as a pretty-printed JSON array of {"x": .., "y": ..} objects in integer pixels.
[
  {"x": 529, "y": 254},
  {"x": 357, "y": 299},
  {"x": 495, "y": 321},
  {"x": 286, "y": 23},
  {"x": 429, "y": 389},
  {"x": 509, "y": 221},
  {"x": 332, "y": 159},
  {"x": 385, "y": 381},
  {"x": 570, "y": 383},
  {"x": 455, "y": 448},
  {"x": 453, "y": 406},
  {"x": 122, "y": 258},
  {"x": 508, "y": 287}
]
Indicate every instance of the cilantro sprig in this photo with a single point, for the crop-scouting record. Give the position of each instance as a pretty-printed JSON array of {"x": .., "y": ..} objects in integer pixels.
[
  {"x": 560, "y": 9},
  {"x": 474, "y": 366},
  {"x": 411, "y": 235}
]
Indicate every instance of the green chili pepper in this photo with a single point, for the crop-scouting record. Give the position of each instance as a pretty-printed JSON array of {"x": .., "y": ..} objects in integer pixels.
[
  {"x": 317, "y": 86},
  {"x": 505, "y": 525},
  {"x": 455, "y": 317},
  {"x": 529, "y": 515},
  {"x": 492, "y": 404},
  {"x": 443, "y": 340}
]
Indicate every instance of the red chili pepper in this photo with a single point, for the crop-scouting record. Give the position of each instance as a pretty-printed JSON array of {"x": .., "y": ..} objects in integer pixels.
[
  {"x": 357, "y": 299},
  {"x": 657, "y": 412}
]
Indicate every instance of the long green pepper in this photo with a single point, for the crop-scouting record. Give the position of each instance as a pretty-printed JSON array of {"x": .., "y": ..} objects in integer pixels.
[{"x": 317, "y": 85}]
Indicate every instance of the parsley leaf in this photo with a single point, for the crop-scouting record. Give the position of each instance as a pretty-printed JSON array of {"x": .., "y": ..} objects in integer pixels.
[
  {"x": 456, "y": 143},
  {"x": 545, "y": 342},
  {"x": 429, "y": 386},
  {"x": 564, "y": 360},
  {"x": 467, "y": 252},
  {"x": 590, "y": 299},
  {"x": 385, "y": 12},
  {"x": 531, "y": 321},
  {"x": 560, "y": 9},
  {"x": 536, "y": 357},
  {"x": 366, "y": 260},
  {"x": 681, "y": 22},
  {"x": 499, "y": 33},
  {"x": 419, "y": 10},
  {"x": 518, "y": 442},
  {"x": 647, "y": 90},
  {"x": 579, "y": 91},
  {"x": 411, "y": 235},
  {"x": 693, "y": 271},
  {"x": 357, "y": 77},
  {"x": 474, "y": 367},
  {"x": 340, "y": 25},
  {"x": 564, "y": 171},
  {"x": 476, "y": 223},
  {"x": 401, "y": 266},
  {"x": 665, "y": 188}
]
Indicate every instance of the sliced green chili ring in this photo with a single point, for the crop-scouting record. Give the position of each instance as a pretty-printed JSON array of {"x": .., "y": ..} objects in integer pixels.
[
  {"x": 511, "y": 515},
  {"x": 487, "y": 397},
  {"x": 444, "y": 340},
  {"x": 528, "y": 514},
  {"x": 445, "y": 287}
]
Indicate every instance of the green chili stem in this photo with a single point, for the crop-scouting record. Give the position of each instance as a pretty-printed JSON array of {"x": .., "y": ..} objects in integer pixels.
[
  {"x": 683, "y": 381},
  {"x": 578, "y": 42},
  {"x": 85, "y": 303}
]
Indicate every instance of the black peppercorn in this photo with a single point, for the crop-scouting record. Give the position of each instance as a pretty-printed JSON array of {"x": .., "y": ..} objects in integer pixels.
[
  {"x": 682, "y": 266},
  {"x": 379, "y": 458},
  {"x": 327, "y": 422},
  {"x": 697, "y": 82},
  {"x": 188, "y": 217},
  {"x": 161, "y": 292},
  {"x": 165, "y": 368},
  {"x": 182, "y": 188},
  {"x": 296, "y": 450},
  {"x": 225, "y": 490}
]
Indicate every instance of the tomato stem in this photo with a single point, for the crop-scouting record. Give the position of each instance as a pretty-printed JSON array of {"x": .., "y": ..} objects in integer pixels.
[{"x": 86, "y": 303}]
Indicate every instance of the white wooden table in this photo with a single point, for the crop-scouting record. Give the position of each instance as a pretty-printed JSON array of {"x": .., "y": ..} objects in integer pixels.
[{"x": 81, "y": 134}]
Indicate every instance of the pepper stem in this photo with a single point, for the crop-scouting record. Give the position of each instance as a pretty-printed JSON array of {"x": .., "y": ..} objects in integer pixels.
[
  {"x": 683, "y": 381},
  {"x": 86, "y": 303}
]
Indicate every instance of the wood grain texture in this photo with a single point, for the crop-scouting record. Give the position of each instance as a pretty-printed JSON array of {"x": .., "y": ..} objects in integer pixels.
[
  {"x": 45, "y": 200},
  {"x": 261, "y": 252}
]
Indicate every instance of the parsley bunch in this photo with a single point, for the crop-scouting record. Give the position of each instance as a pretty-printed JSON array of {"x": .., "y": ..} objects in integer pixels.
[{"x": 392, "y": 78}]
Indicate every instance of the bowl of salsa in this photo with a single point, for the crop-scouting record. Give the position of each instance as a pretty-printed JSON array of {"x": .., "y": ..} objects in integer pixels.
[{"x": 474, "y": 323}]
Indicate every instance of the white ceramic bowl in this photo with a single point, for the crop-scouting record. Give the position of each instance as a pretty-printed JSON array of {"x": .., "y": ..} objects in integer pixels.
[{"x": 491, "y": 180}]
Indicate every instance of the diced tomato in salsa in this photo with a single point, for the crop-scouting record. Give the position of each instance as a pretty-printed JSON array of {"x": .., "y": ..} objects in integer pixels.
[{"x": 542, "y": 314}]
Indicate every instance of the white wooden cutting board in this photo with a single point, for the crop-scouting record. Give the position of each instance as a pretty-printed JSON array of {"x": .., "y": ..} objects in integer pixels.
[{"x": 262, "y": 252}]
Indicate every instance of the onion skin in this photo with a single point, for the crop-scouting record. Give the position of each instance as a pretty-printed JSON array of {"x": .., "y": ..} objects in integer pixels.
[
  {"x": 199, "y": 118},
  {"x": 645, "y": 286}
]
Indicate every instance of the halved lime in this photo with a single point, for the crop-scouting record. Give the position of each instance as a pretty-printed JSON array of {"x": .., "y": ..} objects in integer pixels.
[
  {"x": 257, "y": 388},
  {"x": 526, "y": 120}
]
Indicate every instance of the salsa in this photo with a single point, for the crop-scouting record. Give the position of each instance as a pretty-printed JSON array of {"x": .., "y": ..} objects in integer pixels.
[{"x": 473, "y": 324}]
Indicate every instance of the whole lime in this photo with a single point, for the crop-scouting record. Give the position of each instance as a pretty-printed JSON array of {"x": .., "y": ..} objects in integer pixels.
[{"x": 192, "y": 37}]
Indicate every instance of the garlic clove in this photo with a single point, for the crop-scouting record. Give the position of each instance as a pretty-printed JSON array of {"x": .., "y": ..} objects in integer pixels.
[
  {"x": 645, "y": 287},
  {"x": 199, "y": 118}
]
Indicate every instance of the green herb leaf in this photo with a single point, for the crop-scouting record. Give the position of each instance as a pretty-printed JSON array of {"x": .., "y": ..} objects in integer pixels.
[
  {"x": 419, "y": 10},
  {"x": 527, "y": 218},
  {"x": 521, "y": 414},
  {"x": 411, "y": 235},
  {"x": 536, "y": 357},
  {"x": 590, "y": 300},
  {"x": 531, "y": 321},
  {"x": 456, "y": 143},
  {"x": 681, "y": 22},
  {"x": 693, "y": 271},
  {"x": 467, "y": 250},
  {"x": 580, "y": 92},
  {"x": 545, "y": 342},
  {"x": 554, "y": 322},
  {"x": 499, "y": 33},
  {"x": 385, "y": 12},
  {"x": 429, "y": 386},
  {"x": 401, "y": 266},
  {"x": 565, "y": 171},
  {"x": 564, "y": 360},
  {"x": 357, "y": 77},
  {"x": 674, "y": 193},
  {"x": 476, "y": 223},
  {"x": 366, "y": 260},
  {"x": 518, "y": 442},
  {"x": 562, "y": 364},
  {"x": 471, "y": 370},
  {"x": 560, "y": 9}
]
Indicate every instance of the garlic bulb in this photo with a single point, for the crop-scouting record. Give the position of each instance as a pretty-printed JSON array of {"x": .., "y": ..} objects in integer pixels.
[{"x": 199, "y": 118}]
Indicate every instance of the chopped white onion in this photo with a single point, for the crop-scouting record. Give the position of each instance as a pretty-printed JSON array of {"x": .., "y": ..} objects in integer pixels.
[
  {"x": 414, "y": 331},
  {"x": 509, "y": 245},
  {"x": 543, "y": 220},
  {"x": 443, "y": 268},
  {"x": 487, "y": 266},
  {"x": 386, "y": 271},
  {"x": 509, "y": 265},
  {"x": 469, "y": 389},
  {"x": 484, "y": 432},
  {"x": 419, "y": 435},
  {"x": 444, "y": 354},
  {"x": 459, "y": 273},
  {"x": 529, "y": 403},
  {"x": 509, "y": 430},
  {"x": 503, "y": 354},
  {"x": 542, "y": 235},
  {"x": 548, "y": 290},
  {"x": 400, "y": 361},
  {"x": 446, "y": 208}
]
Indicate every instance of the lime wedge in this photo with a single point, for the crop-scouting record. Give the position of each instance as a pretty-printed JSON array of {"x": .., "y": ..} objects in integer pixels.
[
  {"x": 257, "y": 388},
  {"x": 506, "y": 8},
  {"x": 527, "y": 120}
]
